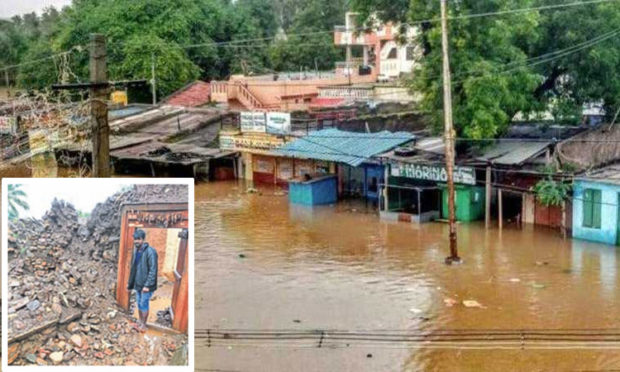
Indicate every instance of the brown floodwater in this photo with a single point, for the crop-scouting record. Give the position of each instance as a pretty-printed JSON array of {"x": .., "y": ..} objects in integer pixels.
[{"x": 340, "y": 267}]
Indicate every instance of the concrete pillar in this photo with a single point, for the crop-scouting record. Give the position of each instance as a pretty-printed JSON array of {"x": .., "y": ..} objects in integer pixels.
[
  {"x": 487, "y": 201},
  {"x": 500, "y": 213},
  {"x": 385, "y": 188}
]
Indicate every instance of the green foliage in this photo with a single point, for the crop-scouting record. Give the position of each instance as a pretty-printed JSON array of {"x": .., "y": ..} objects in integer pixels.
[
  {"x": 314, "y": 48},
  {"x": 308, "y": 53},
  {"x": 551, "y": 192},
  {"x": 16, "y": 198},
  {"x": 484, "y": 100},
  {"x": 493, "y": 74},
  {"x": 190, "y": 39},
  {"x": 172, "y": 65}
]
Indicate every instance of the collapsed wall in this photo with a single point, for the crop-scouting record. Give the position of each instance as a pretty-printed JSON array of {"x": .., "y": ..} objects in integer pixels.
[
  {"x": 62, "y": 281},
  {"x": 104, "y": 224}
]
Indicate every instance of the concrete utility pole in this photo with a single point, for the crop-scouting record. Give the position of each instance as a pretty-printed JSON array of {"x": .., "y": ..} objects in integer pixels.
[
  {"x": 98, "y": 107},
  {"x": 448, "y": 134},
  {"x": 99, "y": 88},
  {"x": 8, "y": 84},
  {"x": 153, "y": 86}
]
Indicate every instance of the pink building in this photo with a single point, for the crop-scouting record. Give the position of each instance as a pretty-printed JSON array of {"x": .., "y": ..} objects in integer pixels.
[{"x": 382, "y": 55}]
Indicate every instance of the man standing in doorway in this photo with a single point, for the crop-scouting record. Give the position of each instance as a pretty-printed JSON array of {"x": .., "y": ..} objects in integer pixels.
[{"x": 143, "y": 275}]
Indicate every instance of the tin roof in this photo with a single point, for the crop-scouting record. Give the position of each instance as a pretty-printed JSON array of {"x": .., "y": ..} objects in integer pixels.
[
  {"x": 352, "y": 148},
  {"x": 433, "y": 145},
  {"x": 513, "y": 152}
]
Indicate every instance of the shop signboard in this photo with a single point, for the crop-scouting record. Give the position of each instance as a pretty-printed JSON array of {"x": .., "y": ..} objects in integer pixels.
[
  {"x": 278, "y": 122},
  {"x": 250, "y": 142},
  {"x": 252, "y": 121},
  {"x": 464, "y": 175}
]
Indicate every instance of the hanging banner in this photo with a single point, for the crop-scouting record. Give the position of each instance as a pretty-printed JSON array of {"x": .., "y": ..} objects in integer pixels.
[
  {"x": 465, "y": 175},
  {"x": 251, "y": 121},
  {"x": 278, "y": 122}
]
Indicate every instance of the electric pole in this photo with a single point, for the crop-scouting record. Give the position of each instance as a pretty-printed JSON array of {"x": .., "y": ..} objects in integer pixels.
[
  {"x": 99, "y": 88},
  {"x": 153, "y": 86},
  {"x": 8, "y": 84},
  {"x": 98, "y": 107},
  {"x": 448, "y": 134}
]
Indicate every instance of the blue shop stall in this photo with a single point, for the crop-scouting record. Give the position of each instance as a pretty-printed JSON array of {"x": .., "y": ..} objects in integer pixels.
[{"x": 350, "y": 155}]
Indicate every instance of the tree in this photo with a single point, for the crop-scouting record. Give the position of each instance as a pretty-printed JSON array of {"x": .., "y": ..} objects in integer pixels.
[
  {"x": 263, "y": 13},
  {"x": 16, "y": 198},
  {"x": 485, "y": 98},
  {"x": 310, "y": 43},
  {"x": 495, "y": 62},
  {"x": 191, "y": 39},
  {"x": 173, "y": 68}
]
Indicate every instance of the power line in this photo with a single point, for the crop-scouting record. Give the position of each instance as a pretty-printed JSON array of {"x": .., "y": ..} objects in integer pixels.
[
  {"x": 525, "y": 10},
  {"x": 533, "y": 61},
  {"x": 34, "y": 61},
  {"x": 417, "y": 22},
  {"x": 436, "y": 339}
]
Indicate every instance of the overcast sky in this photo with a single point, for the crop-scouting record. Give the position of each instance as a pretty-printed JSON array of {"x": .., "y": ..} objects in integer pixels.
[
  {"x": 9, "y": 8},
  {"x": 41, "y": 195}
]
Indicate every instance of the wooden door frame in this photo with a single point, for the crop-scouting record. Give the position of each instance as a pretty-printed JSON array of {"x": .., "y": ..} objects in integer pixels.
[
  {"x": 133, "y": 216},
  {"x": 179, "y": 305}
]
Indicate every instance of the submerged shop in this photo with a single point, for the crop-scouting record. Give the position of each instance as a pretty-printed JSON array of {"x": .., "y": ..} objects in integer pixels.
[
  {"x": 259, "y": 135},
  {"x": 347, "y": 156},
  {"x": 417, "y": 192}
]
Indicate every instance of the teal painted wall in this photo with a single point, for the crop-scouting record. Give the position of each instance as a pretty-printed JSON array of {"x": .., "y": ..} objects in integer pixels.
[{"x": 608, "y": 232}]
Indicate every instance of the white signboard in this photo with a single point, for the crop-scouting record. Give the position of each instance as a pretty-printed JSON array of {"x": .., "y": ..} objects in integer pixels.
[
  {"x": 7, "y": 125},
  {"x": 278, "y": 122},
  {"x": 252, "y": 121},
  {"x": 465, "y": 175}
]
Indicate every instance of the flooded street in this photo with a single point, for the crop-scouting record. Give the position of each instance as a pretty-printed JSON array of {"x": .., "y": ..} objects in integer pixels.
[{"x": 262, "y": 264}]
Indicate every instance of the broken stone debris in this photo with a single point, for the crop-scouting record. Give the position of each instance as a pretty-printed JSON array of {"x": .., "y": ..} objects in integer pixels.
[
  {"x": 62, "y": 288},
  {"x": 164, "y": 317}
]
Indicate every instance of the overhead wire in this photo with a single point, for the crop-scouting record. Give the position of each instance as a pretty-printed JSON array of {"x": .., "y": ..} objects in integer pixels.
[
  {"x": 415, "y": 22},
  {"x": 441, "y": 339}
]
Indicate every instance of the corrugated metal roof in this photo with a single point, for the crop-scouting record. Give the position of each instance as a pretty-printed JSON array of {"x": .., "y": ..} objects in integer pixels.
[
  {"x": 431, "y": 144},
  {"x": 513, "y": 152},
  {"x": 344, "y": 147}
]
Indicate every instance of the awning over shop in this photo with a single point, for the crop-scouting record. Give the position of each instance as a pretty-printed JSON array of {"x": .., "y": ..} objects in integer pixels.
[{"x": 351, "y": 148}]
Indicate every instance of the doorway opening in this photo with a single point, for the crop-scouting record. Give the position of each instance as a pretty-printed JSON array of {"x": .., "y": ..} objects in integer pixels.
[{"x": 166, "y": 231}]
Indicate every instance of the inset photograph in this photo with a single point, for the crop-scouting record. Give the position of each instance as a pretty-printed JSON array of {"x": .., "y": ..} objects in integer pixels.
[{"x": 97, "y": 272}]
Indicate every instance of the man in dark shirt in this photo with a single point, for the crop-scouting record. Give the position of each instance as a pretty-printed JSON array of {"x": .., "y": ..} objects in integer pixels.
[{"x": 143, "y": 275}]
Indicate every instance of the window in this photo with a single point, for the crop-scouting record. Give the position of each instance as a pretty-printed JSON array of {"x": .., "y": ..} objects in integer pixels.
[
  {"x": 393, "y": 53},
  {"x": 592, "y": 208},
  {"x": 410, "y": 53}
]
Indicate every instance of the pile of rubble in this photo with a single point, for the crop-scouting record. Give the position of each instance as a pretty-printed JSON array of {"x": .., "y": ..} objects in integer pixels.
[
  {"x": 164, "y": 318},
  {"x": 104, "y": 225},
  {"x": 62, "y": 283}
]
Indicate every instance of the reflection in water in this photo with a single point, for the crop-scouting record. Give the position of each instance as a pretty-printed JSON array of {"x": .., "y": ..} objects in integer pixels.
[
  {"x": 263, "y": 264},
  {"x": 585, "y": 255}
]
